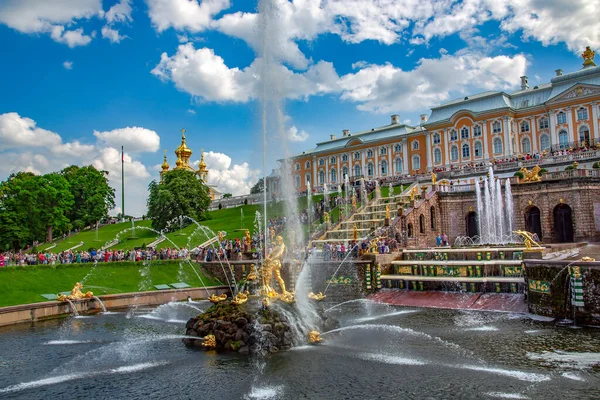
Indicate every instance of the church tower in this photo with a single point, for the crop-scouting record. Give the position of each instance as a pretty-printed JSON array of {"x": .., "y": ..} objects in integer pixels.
[{"x": 183, "y": 154}]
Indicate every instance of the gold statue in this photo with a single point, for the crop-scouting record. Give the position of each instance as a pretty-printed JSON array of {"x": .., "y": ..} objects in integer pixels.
[
  {"x": 531, "y": 176},
  {"x": 216, "y": 299},
  {"x": 221, "y": 236},
  {"x": 273, "y": 264},
  {"x": 272, "y": 234},
  {"x": 413, "y": 193},
  {"x": 587, "y": 259},
  {"x": 387, "y": 211},
  {"x": 247, "y": 238},
  {"x": 373, "y": 247},
  {"x": 354, "y": 197},
  {"x": 252, "y": 275},
  {"x": 288, "y": 297},
  {"x": 433, "y": 178},
  {"x": 588, "y": 57},
  {"x": 326, "y": 217},
  {"x": 76, "y": 294},
  {"x": 314, "y": 337},
  {"x": 355, "y": 232},
  {"x": 209, "y": 342},
  {"x": 240, "y": 298},
  {"x": 528, "y": 236},
  {"x": 317, "y": 297}
]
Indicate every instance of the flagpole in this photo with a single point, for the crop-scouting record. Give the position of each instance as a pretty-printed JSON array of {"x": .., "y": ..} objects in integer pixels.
[{"x": 123, "y": 183}]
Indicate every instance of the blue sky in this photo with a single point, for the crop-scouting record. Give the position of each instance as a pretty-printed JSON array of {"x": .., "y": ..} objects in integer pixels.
[{"x": 81, "y": 77}]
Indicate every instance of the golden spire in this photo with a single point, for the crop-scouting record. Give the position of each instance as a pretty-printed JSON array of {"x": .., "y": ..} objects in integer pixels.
[
  {"x": 165, "y": 164},
  {"x": 202, "y": 170},
  {"x": 183, "y": 154},
  {"x": 588, "y": 57}
]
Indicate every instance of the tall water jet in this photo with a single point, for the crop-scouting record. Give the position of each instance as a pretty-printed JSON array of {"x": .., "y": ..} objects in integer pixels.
[
  {"x": 377, "y": 190},
  {"x": 499, "y": 209},
  {"x": 479, "y": 210},
  {"x": 509, "y": 206},
  {"x": 309, "y": 206},
  {"x": 390, "y": 190},
  {"x": 326, "y": 197},
  {"x": 487, "y": 214}
]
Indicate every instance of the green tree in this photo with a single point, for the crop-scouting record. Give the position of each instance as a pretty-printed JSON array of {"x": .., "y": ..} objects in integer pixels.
[
  {"x": 93, "y": 197},
  {"x": 179, "y": 193},
  {"x": 258, "y": 187},
  {"x": 54, "y": 202},
  {"x": 227, "y": 196}
]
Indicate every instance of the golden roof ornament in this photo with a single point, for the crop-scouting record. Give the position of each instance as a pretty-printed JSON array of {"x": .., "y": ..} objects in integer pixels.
[
  {"x": 165, "y": 164},
  {"x": 588, "y": 57},
  {"x": 183, "y": 153}
]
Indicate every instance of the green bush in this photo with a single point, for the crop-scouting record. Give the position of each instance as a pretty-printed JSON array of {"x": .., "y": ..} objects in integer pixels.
[
  {"x": 220, "y": 206},
  {"x": 543, "y": 171},
  {"x": 596, "y": 165},
  {"x": 245, "y": 202},
  {"x": 519, "y": 175},
  {"x": 570, "y": 168}
]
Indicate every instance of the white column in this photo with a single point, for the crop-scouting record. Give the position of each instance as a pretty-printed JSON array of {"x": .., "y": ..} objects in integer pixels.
[
  {"x": 376, "y": 172},
  {"x": 339, "y": 170},
  {"x": 428, "y": 150},
  {"x": 486, "y": 154},
  {"x": 327, "y": 170},
  {"x": 446, "y": 139},
  {"x": 314, "y": 179},
  {"x": 595, "y": 134},
  {"x": 389, "y": 153},
  {"x": 571, "y": 125},
  {"x": 534, "y": 136},
  {"x": 507, "y": 141},
  {"x": 364, "y": 162},
  {"x": 405, "y": 156},
  {"x": 552, "y": 120}
]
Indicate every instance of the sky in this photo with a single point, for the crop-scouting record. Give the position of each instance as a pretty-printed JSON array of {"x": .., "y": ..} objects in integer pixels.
[{"x": 81, "y": 78}]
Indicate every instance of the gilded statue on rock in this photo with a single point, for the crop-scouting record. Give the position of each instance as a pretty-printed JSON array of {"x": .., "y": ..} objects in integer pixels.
[
  {"x": 529, "y": 242},
  {"x": 273, "y": 264},
  {"x": 531, "y": 176},
  {"x": 76, "y": 294},
  {"x": 247, "y": 238}
]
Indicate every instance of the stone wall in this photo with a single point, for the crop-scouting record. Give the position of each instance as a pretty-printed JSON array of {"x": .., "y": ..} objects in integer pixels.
[{"x": 427, "y": 238}]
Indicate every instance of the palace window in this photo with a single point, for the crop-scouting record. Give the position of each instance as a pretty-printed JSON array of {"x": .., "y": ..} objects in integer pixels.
[
  {"x": 297, "y": 166},
  {"x": 398, "y": 166},
  {"x": 416, "y": 162},
  {"x": 544, "y": 142},
  {"x": 437, "y": 156},
  {"x": 525, "y": 145},
  {"x": 344, "y": 172},
  {"x": 497, "y": 145},
  {"x": 321, "y": 177},
  {"x": 464, "y": 133},
  {"x": 321, "y": 162},
  {"x": 307, "y": 165},
  {"x": 582, "y": 114},
  {"x": 477, "y": 130},
  {"x": 398, "y": 148},
  {"x": 357, "y": 170},
  {"x": 297, "y": 181},
  {"x": 345, "y": 158},
  {"x": 478, "y": 149},
  {"x": 369, "y": 153},
  {"x": 332, "y": 160},
  {"x": 563, "y": 139},
  {"x": 454, "y": 153},
  {"x": 333, "y": 174},
  {"x": 383, "y": 150},
  {"x": 357, "y": 155},
  {"x": 436, "y": 138},
  {"x": 384, "y": 167},
  {"x": 466, "y": 151},
  {"x": 432, "y": 216},
  {"x": 421, "y": 223},
  {"x": 415, "y": 145},
  {"x": 561, "y": 118},
  {"x": 307, "y": 178},
  {"x": 370, "y": 169},
  {"x": 524, "y": 126},
  {"x": 584, "y": 135},
  {"x": 544, "y": 123},
  {"x": 496, "y": 127},
  {"x": 453, "y": 135}
]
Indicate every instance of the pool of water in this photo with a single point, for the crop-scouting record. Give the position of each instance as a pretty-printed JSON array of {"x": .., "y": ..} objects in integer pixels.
[{"x": 379, "y": 352}]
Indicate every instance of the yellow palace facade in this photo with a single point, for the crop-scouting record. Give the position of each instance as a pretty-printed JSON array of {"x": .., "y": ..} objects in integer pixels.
[{"x": 562, "y": 114}]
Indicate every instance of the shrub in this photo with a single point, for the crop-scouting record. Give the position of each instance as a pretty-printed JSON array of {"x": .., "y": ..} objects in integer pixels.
[
  {"x": 570, "y": 167},
  {"x": 596, "y": 165},
  {"x": 220, "y": 206},
  {"x": 245, "y": 202},
  {"x": 543, "y": 171},
  {"x": 519, "y": 175}
]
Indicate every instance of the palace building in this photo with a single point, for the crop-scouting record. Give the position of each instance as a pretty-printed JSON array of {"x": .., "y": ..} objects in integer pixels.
[
  {"x": 474, "y": 130},
  {"x": 183, "y": 154}
]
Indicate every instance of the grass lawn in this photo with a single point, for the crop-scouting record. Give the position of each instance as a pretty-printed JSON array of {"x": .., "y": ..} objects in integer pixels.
[{"x": 21, "y": 285}]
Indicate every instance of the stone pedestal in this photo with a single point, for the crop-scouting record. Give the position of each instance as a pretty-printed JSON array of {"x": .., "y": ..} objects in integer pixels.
[{"x": 533, "y": 254}]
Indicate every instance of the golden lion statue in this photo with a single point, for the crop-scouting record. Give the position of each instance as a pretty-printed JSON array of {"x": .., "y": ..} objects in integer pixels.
[
  {"x": 531, "y": 176},
  {"x": 76, "y": 294}
]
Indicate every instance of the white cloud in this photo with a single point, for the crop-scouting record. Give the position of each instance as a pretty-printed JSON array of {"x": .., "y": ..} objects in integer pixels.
[
  {"x": 295, "y": 136},
  {"x": 120, "y": 12},
  {"x": 135, "y": 139},
  {"x": 112, "y": 34},
  {"x": 26, "y": 147},
  {"x": 236, "y": 179},
  {"x": 68, "y": 65},
  {"x": 190, "y": 111},
  {"x": 192, "y": 15},
  {"x": 42, "y": 16}
]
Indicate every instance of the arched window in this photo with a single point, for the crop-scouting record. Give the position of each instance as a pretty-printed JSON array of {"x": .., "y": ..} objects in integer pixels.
[
  {"x": 321, "y": 177},
  {"x": 464, "y": 133},
  {"x": 496, "y": 127},
  {"x": 544, "y": 123},
  {"x": 297, "y": 181},
  {"x": 466, "y": 151},
  {"x": 478, "y": 149},
  {"x": 357, "y": 171},
  {"x": 437, "y": 156},
  {"x": 333, "y": 174},
  {"x": 584, "y": 135},
  {"x": 453, "y": 135},
  {"x": 307, "y": 177},
  {"x": 321, "y": 162},
  {"x": 398, "y": 148},
  {"x": 582, "y": 114},
  {"x": 524, "y": 126},
  {"x": 384, "y": 167},
  {"x": 477, "y": 130},
  {"x": 436, "y": 138},
  {"x": 345, "y": 157},
  {"x": 563, "y": 139},
  {"x": 410, "y": 230},
  {"x": 297, "y": 166},
  {"x": 398, "y": 166},
  {"x": 421, "y": 223},
  {"x": 497, "y": 145},
  {"x": 416, "y": 163},
  {"x": 332, "y": 160},
  {"x": 454, "y": 153},
  {"x": 357, "y": 155},
  {"x": 561, "y": 118},
  {"x": 383, "y": 150},
  {"x": 525, "y": 145},
  {"x": 370, "y": 169},
  {"x": 415, "y": 145},
  {"x": 369, "y": 153},
  {"x": 307, "y": 165},
  {"x": 432, "y": 215},
  {"x": 344, "y": 172},
  {"x": 544, "y": 142}
]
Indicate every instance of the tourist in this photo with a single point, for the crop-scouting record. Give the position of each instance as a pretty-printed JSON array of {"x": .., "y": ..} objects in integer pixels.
[
  {"x": 444, "y": 239},
  {"x": 438, "y": 240}
]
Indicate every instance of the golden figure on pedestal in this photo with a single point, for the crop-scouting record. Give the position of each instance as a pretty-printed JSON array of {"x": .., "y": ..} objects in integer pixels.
[
  {"x": 531, "y": 176},
  {"x": 355, "y": 232},
  {"x": 588, "y": 57},
  {"x": 314, "y": 337},
  {"x": 433, "y": 178},
  {"x": 528, "y": 242},
  {"x": 387, "y": 211},
  {"x": 240, "y": 298},
  {"x": 247, "y": 238},
  {"x": 273, "y": 264},
  {"x": 326, "y": 217},
  {"x": 76, "y": 294}
]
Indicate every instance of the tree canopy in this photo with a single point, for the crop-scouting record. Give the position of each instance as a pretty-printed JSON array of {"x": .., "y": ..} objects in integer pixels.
[
  {"x": 179, "y": 192},
  {"x": 258, "y": 187}
]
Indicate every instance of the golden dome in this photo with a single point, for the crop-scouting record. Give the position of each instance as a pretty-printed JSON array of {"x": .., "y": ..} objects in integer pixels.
[
  {"x": 183, "y": 154},
  {"x": 202, "y": 170},
  {"x": 165, "y": 164}
]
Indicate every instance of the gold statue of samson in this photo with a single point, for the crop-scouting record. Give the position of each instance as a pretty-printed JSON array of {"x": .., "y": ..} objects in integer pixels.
[{"x": 273, "y": 264}]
